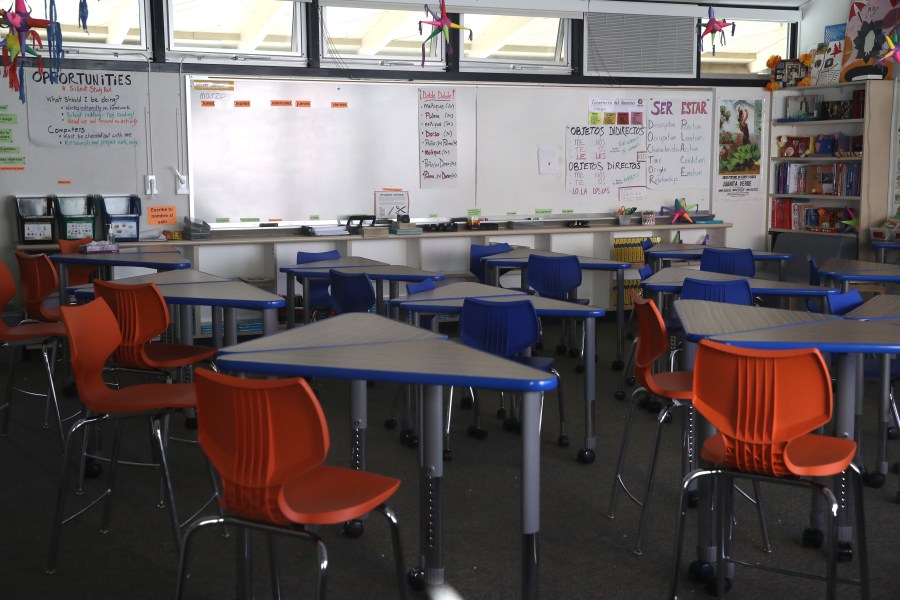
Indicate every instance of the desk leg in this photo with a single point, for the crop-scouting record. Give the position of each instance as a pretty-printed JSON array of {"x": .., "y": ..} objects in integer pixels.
[
  {"x": 491, "y": 274},
  {"x": 358, "y": 423},
  {"x": 306, "y": 303},
  {"x": 290, "y": 298},
  {"x": 431, "y": 463},
  {"x": 379, "y": 297},
  {"x": 619, "y": 364},
  {"x": 531, "y": 493},
  {"x": 586, "y": 454},
  {"x": 844, "y": 416},
  {"x": 394, "y": 292},
  {"x": 218, "y": 327},
  {"x": 230, "y": 314},
  {"x": 782, "y": 276},
  {"x": 884, "y": 414},
  {"x": 879, "y": 255},
  {"x": 270, "y": 321},
  {"x": 186, "y": 324}
]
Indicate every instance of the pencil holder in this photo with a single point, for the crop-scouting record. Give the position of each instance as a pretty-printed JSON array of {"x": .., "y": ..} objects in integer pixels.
[{"x": 648, "y": 217}]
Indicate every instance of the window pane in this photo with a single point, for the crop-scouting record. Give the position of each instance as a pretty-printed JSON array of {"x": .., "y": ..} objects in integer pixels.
[
  {"x": 515, "y": 39},
  {"x": 113, "y": 23},
  {"x": 382, "y": 33},
  {"x": 242, "y": 26},
  {"x": 747, "y": 51}
]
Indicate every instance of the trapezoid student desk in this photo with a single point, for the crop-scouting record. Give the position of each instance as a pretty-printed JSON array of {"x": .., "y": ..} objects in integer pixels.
[
  {"x": 190, "y": 288},
  {"x": 883, "y": 246},
  {"x": 545, "y": 307},
  {"x": 669, "y": 251},
  {"x": 847, "y": 271},
  {"x": 518, "y": 258},
  {"x": 843, "y": 338},
  {"x": 363, "y": 346}
]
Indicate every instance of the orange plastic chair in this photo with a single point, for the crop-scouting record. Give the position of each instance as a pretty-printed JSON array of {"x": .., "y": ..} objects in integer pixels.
[
  {"x": 37, "y": 282},
  {"x": 267, "y": 439},
  {"x": 142, "y": 315},
  {"x": 672, "y": 386},
  {"x": 49, "y": 335},
  {"x": 93, "y": 337},
  {"x": 764, "y": 405},
  {"x": 78, "y": 274}
]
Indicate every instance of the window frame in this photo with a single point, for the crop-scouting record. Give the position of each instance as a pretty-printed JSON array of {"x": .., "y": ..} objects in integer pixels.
[{"x": 524, "y": 66}]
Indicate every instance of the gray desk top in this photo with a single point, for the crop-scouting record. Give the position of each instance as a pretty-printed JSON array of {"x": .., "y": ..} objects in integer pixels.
[
  {"x": 335, "y": 263},
  {"x": 543, "y": 306},
  {"x": 464, "y": 289},
  {"x": 881, "y": 306},
  {"x": 231, "y": 294},
  {"x": 846, "y": 265},
  {"x": 152, "y": 260},
  {"x": 519, "y": 256},
  {"x": 671, "y": 278},
  {"x": 170, "y": 277},
  {"x": 697, "y": 250},
  {"x": 836, "y": 335},
  {"x": 702, "y": 318}
]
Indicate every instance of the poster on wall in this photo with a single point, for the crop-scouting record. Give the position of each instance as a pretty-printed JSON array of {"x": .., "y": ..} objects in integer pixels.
[
  {"x": 864, "y": 42},
  {"x": 438, "y": 166},
  {"x": 740, "y": 139}
]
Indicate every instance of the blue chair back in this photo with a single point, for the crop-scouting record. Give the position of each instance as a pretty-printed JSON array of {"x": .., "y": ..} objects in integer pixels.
[
  {"x": 813, "y": 271},
  {"x": 735, "y": 291},
  {"x": 499, "y": 328},
  {"x": 351, "y": 292},
  {"x": 645, "y": 272},
  {"x": 554, "y": 276},
  {"x": 730, "y": 261},
  {"x": 415, "y": 287},
  {"x": 318, "y": 288},
  {"x": 478, "y": 251},
  {"x": 841, "y": 304}
]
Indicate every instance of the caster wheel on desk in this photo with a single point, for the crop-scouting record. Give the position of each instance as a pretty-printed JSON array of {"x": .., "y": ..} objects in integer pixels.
[
  {"x": 466, "y": 403},
  {"x": 561, "y": 350},
  {"x": 390, "y": 423},
  {"x": 563, "y": 441},
  {"x": 844, "y": 552},
  {"x": 574, "y": 352},
  {"x": 501, "y": 413},
  {"x": 893, "y": 433},
  {"x": 512, "y": 425},
  {"x": 539, "y": 346},
  {"x": 630, "y": 381},
  {"x": 873, "y": 480},
  {"x": 620, "y": 394},
  {"x": 700, "y": 570},
  {"x": 92, "y": 469},
  {"x": 476, "y": 432},
  {"x": 405, "y": 434},
  {"x": 586, "y": 456},
  {"x": 412, "y": 441},
  {"x": 710, "y": 585},
  {"x": 415, "y": 578},
  {"x": 354, "y": 528},
  {"x": 618, "y": 365},
  {"x": 813, "y": 538},
  {"x": 896, "y": 468},
  {"x": 448, "y": 455}
]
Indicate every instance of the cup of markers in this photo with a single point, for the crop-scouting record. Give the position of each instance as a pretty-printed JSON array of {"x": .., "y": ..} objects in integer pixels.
[{"x": 625, "y": 215}]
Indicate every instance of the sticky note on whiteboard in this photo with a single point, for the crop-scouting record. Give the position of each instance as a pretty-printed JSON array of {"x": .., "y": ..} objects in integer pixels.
[{"x": 548, "y": 159}]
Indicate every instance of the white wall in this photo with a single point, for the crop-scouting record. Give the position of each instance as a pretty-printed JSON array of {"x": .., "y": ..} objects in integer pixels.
[{"x": 816, "y": 15}]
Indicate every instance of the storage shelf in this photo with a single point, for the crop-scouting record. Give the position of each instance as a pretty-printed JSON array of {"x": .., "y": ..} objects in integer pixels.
[
  {"x": 816, "y": 159},
  {"x": 816, "y": 122},
  {"x": 807, "y": 232},
  {"x": 808, "y": 88},
  {"x": 815, "y": 197}
]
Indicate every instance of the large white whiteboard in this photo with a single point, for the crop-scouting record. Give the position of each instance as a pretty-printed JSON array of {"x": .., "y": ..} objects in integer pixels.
[{"x": 299, "y": 150}]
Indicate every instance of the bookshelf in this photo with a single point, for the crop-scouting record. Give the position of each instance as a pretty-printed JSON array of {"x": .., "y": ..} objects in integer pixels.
[{"x": 829, "y": 149}]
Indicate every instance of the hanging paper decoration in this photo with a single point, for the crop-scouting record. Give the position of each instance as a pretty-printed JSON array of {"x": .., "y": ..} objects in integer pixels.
[
  {"x": 679, "y": 210},
  {"x": 20, "y": 40},
  {"x": 893, "y": 51},
  {"x": 441, "y": 24},
  {"x": 714, "y": 26},
  {"x": 83, "y": 14},
  {"x": 851, "y": 225}
]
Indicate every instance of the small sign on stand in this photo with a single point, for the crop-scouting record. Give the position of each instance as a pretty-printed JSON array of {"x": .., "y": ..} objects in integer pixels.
[{"x": 391, "y": 204}]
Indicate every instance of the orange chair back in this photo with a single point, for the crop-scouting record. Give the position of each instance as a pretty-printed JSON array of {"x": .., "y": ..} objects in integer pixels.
[
  {"x": 141, "y": 313},
  {"x": 257, "y": 433},
  {"x": 652, "y": 340},
  {"x": 759, "y": 400},
  {"x": 37, "y": 281},
  {"x": 93, "y": 336},
  {"x": 77, "y": 274}
]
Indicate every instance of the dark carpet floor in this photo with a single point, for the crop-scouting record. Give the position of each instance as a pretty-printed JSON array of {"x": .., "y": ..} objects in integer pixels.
[{"x": 584, "y": 554}]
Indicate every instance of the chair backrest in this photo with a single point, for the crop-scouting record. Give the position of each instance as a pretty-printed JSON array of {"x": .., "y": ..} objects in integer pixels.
[
  {"x": 37, "y": 282},
  {"x": 759, "y": 400},
  {"x": 652, "y": 340},
  {"x": 478, "y": 251},
  {"x": 258, "y": 433},
  {"x": 93, "y": 336},
  {"x": 554, "y": 276},
  {"x": 351, "y": 292},
  {"x": 813, "y": 271},
  {"x": 645, "y": 271},
  {"x": 500, "y": 328},
  {"x": 141, "y": 313},
  {"x": 414, "y": 287},
  {"x": 77, "y": 274},
  {"x": 728, "y": 260},
  {"x": 734, "y": 291},
  {"x": 841, "y": 304},
  {"x": 318, "y": 288}
]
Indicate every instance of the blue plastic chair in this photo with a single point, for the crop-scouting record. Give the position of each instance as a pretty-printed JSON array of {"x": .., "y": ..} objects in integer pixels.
[
  {"x": 504, "y": 329},
  {"x": 558, "y": 277},
  {"x": 478, "y": 251},
  {"x": 813, "y": 304},
  {"x": 841, "y": 304},
  {"x": 735, "y": 291},
  {"x": 730, "y": 261},
  {"x": 351, "y": 292},
  {"x": 319, "y": 298}
]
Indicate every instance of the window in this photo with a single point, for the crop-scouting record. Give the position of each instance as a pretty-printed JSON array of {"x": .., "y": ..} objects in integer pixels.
[
  {"x": 374, "y": 37},
  {"x": 515, "y": 42},
  {"x": 236, "y": 28},
  {"x": 746, "y": 52},
  {"x": 112, "y": 27}
]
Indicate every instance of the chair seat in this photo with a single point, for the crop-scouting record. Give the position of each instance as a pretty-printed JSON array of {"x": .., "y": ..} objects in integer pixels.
[
  {"x": 327, "y": 495},
  {"x": 33, "y": 331},
  {"x": 146, "y": 397},
  {"x": 170, "y": 356},
  {"x": 677, "y": 385},
  {"x": 811, "y": 455}
]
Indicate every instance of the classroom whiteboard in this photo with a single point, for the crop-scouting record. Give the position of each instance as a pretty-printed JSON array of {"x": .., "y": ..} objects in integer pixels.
[{"x": 305, "y": 150}]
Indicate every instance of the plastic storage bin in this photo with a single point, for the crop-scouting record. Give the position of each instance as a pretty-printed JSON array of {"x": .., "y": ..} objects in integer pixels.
[
  {"x": 75, "y": 217},
  {"x": 35, "y": 217},
  {"x": 122, "y": 214}
]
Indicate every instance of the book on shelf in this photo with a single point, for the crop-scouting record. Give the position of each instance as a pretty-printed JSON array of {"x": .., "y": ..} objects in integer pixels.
[{"x": 804, "y": 107}]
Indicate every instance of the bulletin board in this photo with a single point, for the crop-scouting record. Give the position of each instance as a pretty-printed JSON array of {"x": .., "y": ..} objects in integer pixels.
[{"x": 307, "y": 150}]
